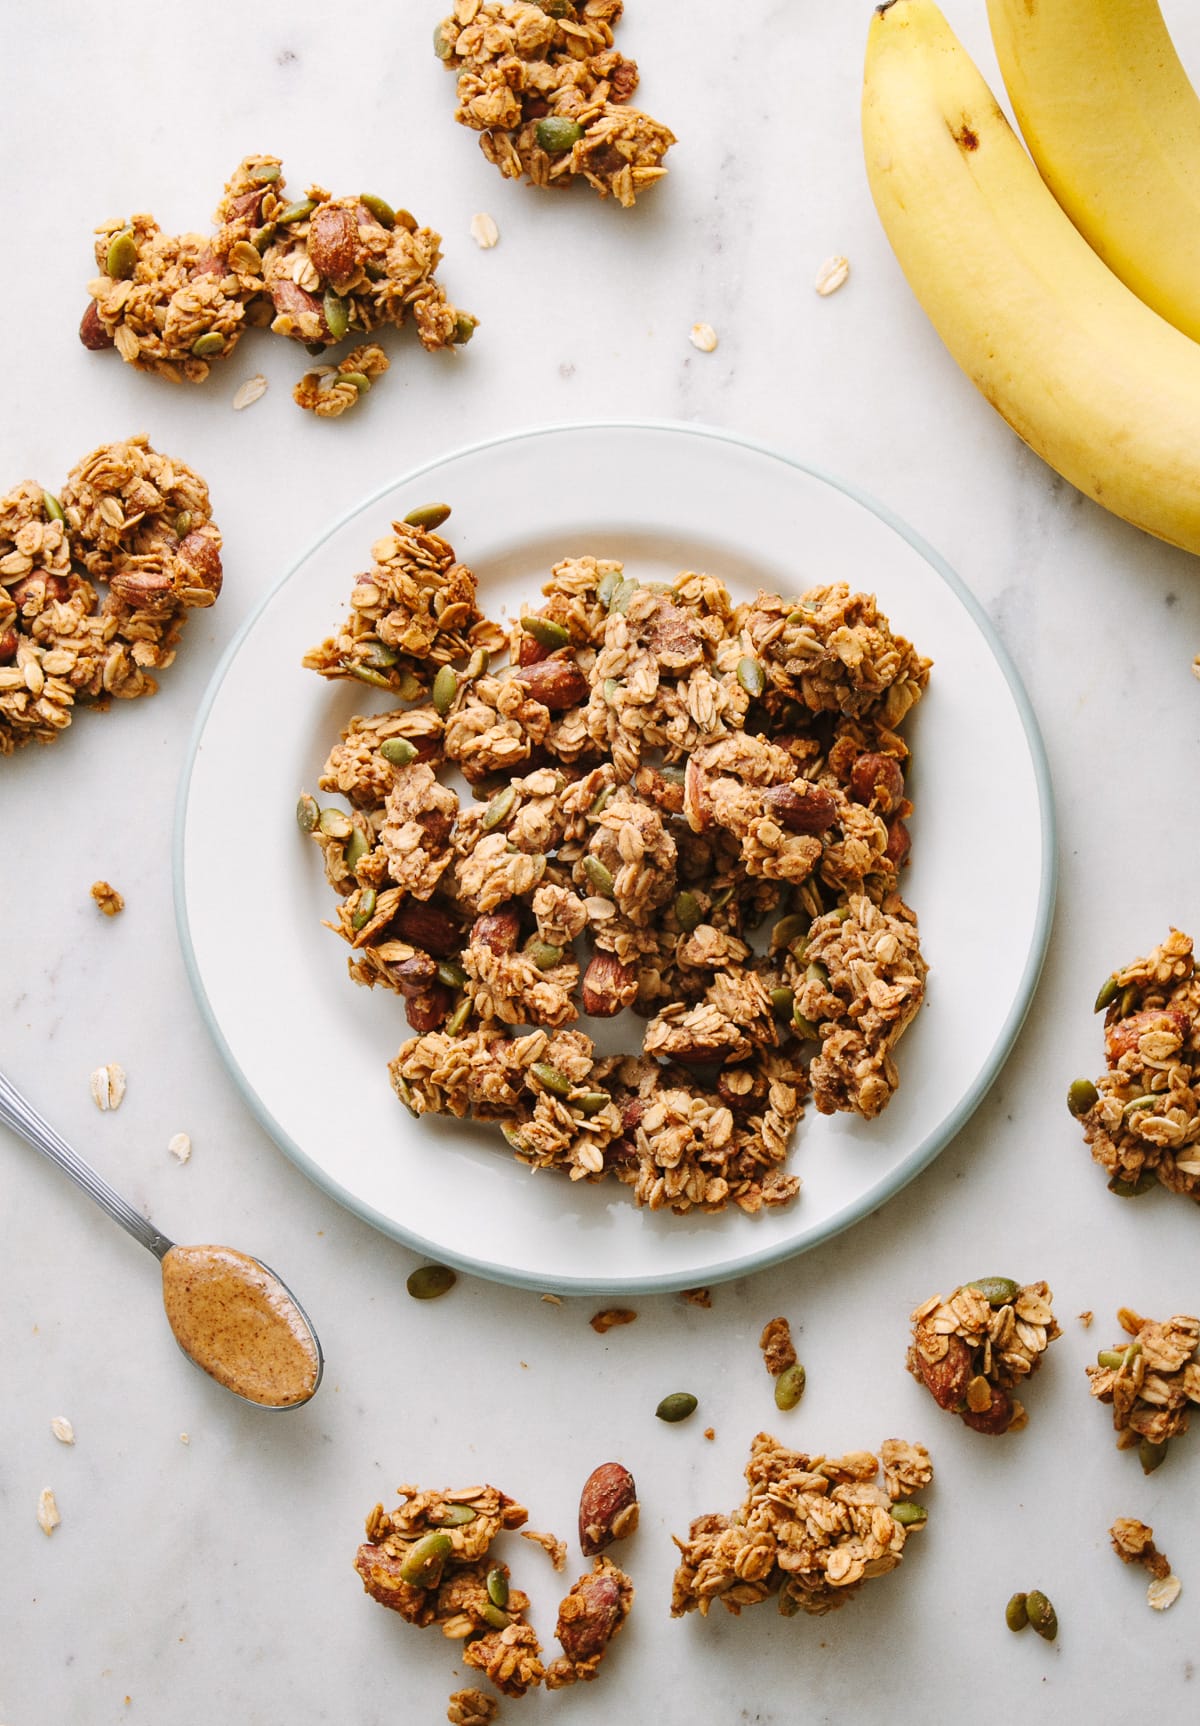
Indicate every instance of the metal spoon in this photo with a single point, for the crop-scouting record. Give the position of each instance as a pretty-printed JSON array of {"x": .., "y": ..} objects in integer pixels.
[{"x": 242, "y": 1288}]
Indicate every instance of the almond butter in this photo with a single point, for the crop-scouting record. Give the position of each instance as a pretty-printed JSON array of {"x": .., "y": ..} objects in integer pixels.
[{"x": 608, "y": 1508}]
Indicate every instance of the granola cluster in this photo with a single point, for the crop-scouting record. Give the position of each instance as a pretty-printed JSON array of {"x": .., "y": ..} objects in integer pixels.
[
  {"x": 430, "y": 1560},
  {"x": 316, "y": 269},
  {"x": 130, "y": 521},
  {"x": 1133, "y": 1543},
  {"x": 1150, "y": 1381},
  {"x": 974, "y": 1348},
  {"x": 1142, "y": 1116},
  {"x": 549, "y": 94},
  {"x": 812, "y": 1529},
  {"x": 594, "y": 874}
]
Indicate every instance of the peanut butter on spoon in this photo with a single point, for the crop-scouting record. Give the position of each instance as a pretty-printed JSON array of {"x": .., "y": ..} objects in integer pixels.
[{"x": 237, "y": 1321}]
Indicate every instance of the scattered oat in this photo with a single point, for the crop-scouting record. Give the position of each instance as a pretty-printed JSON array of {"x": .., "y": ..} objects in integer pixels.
[
  {"x": 185, "y": 1438},
  {"x": 555, "y": 1549},
  {"x": 696, "y": 1297},
  {"x": 832, "y": 275},
  {"x": 108, "y": 899},
  {"x": 602, "y": 1321},
  {"x": 704, "y": 337},
  {"x": 1196, "y": 666},
  {"x": 180, "y": 1147},
  {"x": 47, "y": 1511},
  {"x": 62, "y": 1429},
  {"x": 251, "y": 391},
  {"x": 108, "y": 1086},
  {"x": 1085, "y": 1319},
  {"x": 1163, "y": 1591},
  {"x": 552, "y": 1299},
  {"x": 484, "y": 231}
]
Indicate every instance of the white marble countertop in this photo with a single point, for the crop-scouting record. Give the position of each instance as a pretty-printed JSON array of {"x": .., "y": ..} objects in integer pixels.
[{"x": 212, "y": 1579}]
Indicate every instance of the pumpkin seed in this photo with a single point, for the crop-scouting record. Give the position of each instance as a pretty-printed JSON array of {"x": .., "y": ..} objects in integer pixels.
[
  {"x": 211, "y": 342},
  {"x": 909, "y": 1515},
  {"x": 546, "y": 632},
  {"x": 495, "y": 1616},
  {"x": 52, "y": 507},
  {"x": 445, "y": 688},
  {"x": 183, "y": 523},
  {"x": 599, "y": 878},
  {"x": 1082, "y": 1095},
  {"x": 464, "y": 328},
  {"x": 398, "y": 750},
  {"x": 590, "y": 1102},
  {"x": 497, "y": 1587},
  {"x": 265, "y": 175},
  {"x": 430, "y": 1281},
  {"x": 1128, "y": 1001},
  {"x": 611, "y": 686},
  {"x": 367, "y": 674},
  {"x": 511, "y": 1136},
  {"x": 335, "y": 824},
  {"x": 499, "y": 809},
  {"x": 308, "y": 813},
  {"x": 544, "y": 954},
  {"x": 805, "y": 1027},
  {"x": 551, "y": 1079},
  {"x": 121, "y": 258},
  {"x": 721, "y": 898},
  {"x": 261, "y": 238},
  {"x": 453, "y": 976},
  {"x": 337, "y": 315},
  {"x": 379, "y": 655},
  {"x": 476, "y": 665},
  {"x": 556, "y": 134},
  {"x": 677, "y": 1406},
  {"x": 1116, "y": 1358},
  {"x": 600, "y": 802},
  {"x": 429, "y": 515},
  {"x": 687, "y": 911},
  {"x": 789, "y": 930},
  {"x": 996, "y": 1291},
  {"x": 621, "y": 596},
  {"x": 789, "y": 1386},
  {"x": 607, "y": 586},
  {"x": 441, "y": 47},
  {"x": 408, "y": 686},
  {"x": 1016, "y": 1615},
  {"x": 379, "y": 208},
  {"x": 366, "y": 909},
  {"x": 360, "y": 380},
  {"x": 295, "y": 212},
  {"x": 1041, "y": 1615},
  {"x": 1132, "y": 1189},
  {"x": 752, "y": 677},
  {"x": 783, "y": 1003},
  {"x": 453, "y": 1516},
  {"x": 357, "y": 847},
  {"x": 422, "y": 1567},
  {"x": 1151, "y": 1455},
  {"x": 1109, "y": 990},
  {"x": 458, "y": 1017},
  {"x": 816, "y": 972}
]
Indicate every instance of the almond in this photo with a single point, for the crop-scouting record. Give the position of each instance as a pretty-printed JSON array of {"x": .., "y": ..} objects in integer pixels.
[
  {"x": 498, "y": 930},
  {"x": 995, "y": 1419},
  {"x": 200, "y": 554},
  {"x": 802, "y": 808},
  {"x": 1123, "y": 1037},
  {"x": 143, "y": 589},
  {"x": 608, "y": 1508},
  {"x": 879, "y": 781},
  {"x": 295, "y": 303},
  {"x": 556, "y": 683},
  {"x": 429, "y": 927},
  {"x": 333, "y": 243},
  {"x": 588, "y": 1617},
  {"x": 899, "y": 843},
  {"x": 947, "y": 1379},
  {"x": 608, "y": 986},
  {"x": 8, "y": 645},
  {"x": 92, "y": 332}
]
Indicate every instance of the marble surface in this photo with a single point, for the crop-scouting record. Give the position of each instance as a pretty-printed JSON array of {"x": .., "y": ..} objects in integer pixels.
[{"x": 211, "y": 1578}]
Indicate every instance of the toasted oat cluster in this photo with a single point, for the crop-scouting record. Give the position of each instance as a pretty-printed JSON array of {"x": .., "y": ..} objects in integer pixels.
[
  {"x": 549, "y": 94},
  {"x": 1142, "y": 1116},
  {"x": 589, "y": 1617},
  {"x": 594, "y": 873},
  {"x": 973, "y": 1349},
  {"x": 130, "y": 521},
  {"x": 1150, "y": 1382},
  {"x": 429, "y": 1561},
  {"x": 812, "y": 1529},
  {"x": 316, "y": 269},
  {"x": 1133, "y": 1543},
  {"x": 471, "y": 1708}
]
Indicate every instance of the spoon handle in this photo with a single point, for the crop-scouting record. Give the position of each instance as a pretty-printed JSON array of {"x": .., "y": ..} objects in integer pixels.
[{"x": 19, "y": 1113}]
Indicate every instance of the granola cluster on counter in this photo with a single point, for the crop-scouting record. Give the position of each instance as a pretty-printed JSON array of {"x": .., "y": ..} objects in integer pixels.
[
  {"x": 430, "y": 1560},
  {"x": 130, "y": 521},
  {"x": 317, "y": 269},
  {"x": 1150, "y": 1381},
  {"x": 549, "y": 94},
  {"x": 594, "y": 874},
  {"x": 811, "y": 1531},
  {"x": 974, "y": 1348},
  {"x": 1142, "y": 1116}
]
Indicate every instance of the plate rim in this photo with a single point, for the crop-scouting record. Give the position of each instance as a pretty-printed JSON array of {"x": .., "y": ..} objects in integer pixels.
[{"x": 745, "y": 1264}]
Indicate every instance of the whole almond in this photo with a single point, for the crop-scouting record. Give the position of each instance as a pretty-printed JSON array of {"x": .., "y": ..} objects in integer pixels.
[
  {"x": 588, "y": 1617},
  {"x": 899, "y": 843},
  {"x": 292, "y": 301},
  {"x": 429, "y": 927},
  {"x": 92, "y": 332},
  {"x": 497, "y": 930},
  {"x": 995, "y": 1419},
  {"x": 1123, "y": 1036},
  {"x": 811, "y": 809},
  {"x": 608, "y": 985},
  {"x": 556, "y": 683},
  {"x": 143, "y": 589},
  {"x": 8, "y": 645},
  {"x": 200, "y": 554},
  {"x": 878, "y": 780},
  {"x": 333, "y": 243},
  {"x": 947, "y": 1379},
  {"x": 608, "y": 1508}
]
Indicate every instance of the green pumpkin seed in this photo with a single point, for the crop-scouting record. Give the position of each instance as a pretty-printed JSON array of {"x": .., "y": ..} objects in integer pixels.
[
  {"x": 499, "y": 809},
  {"x": 52, "y": 507},
  {"x": 677, "y": 1406},
  {"x": 366, "y": 909},
  {"x": 495, "y": 1616},
  {"x": 909, "y": 1515},
  {"x": 546, "y": 632},
  {"x": 610, "y": 688},
  {"x": 599, "y": 878},
  {"x": 1082, "y": 1095},
  {"x": 367, "y": 674},
  {"x": 265, "y": 175},
  {"x": 789, "y": 930},
  {"x": 1151, "y": 1455},
  {"x": 183, "y": 523},
  {"x": 295, "y": 212},
  {"x": 1042, "y": 1615},
  {"x": 816, "y": 972},
  {"x": 797, "y": 616},
  {"x": 788, "y": 1605},
  {"x": 556, "y": 134},
  {"x": 544, "y": 954},
  {"x": 497, "y": 1587},
  {"x": 428, "y": 516},
  {"x": 607, "y": 586},
  {"x": 336, "y": 824},
  {"x": 511, "y": 1136},
  {"x": 337, "y": 315},
  {"x": 445, "y": 688},
  {"x": 1132, "y": 1189},
  {"x": 996, "y": 1291},
  {"x": 687, "y": 911},
  {"x": 428, "y": 1282},
  {"x": 783, "y": 1001},
  {"x": 379, "y": 208},
  {"x": 458, "y": 1017},
  {"x": 789, "y": 1386},
  {"x": 205, "y": 346},
  {"x": 453, "y": 1516},
  {"x": 1016, "y": 1614},
  {"x": 261, "y": 238},
  {"x": 314, "y": 347},
  {"x": 121, "y": 258},
  {"x": 308, "y": 813},
  {"x": 464, "y": 328},
  {"x": 357, "y": 847},
  {"x": 360, "y": 380},
  {"x": 379, "y": 655},
  {"x": 1116, "y": 1358},
  {"x": 805, "y": 1027},
  {"x": 1146, "y": 1101},
  {"x": 398, "y": 750},
  {"x": 453, "y": 976},
  {"x": 404, "y": 1092},
  {"x": 600, "y": 802},
  {"x": 1128, "y": 1002},
  {"x": 551, "y": 1079},
  {"x": 752, "y": 677},
  {"x": 476, "y": 665},
  {"x": 721, "y": 898},
  {"x": 590, "y": 1102},
  {"x": 441, "y": 47},
  {"x": 621, "y": 596},
  {"x": 408, "y": 686},
  {"x": 422, "y": 1567}
]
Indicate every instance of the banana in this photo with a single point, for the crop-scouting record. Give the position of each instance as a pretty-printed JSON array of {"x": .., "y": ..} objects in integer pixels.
[
  {"x": 1101, "y": 387},
  {"x": 1114, "y": 126}
]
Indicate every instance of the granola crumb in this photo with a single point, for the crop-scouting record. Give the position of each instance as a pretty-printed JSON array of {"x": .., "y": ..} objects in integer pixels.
[
  {"x": 778, "y": 1350},
  {"x": 185, "y": 1438},
  {"x": 704, "y": 337},
  {"x": 1085, "y": 1319},
  {"x": 610, "y": 1317},
  {"x": 62, "y": 1429},
  {"x": 710, "y": 1432},
  {"x": 697, "y": 1297},
  {"x": 180, "y": 1147},
  {"x": 552, "y": 1299},
  {"x": 832, "y": 275},
  {"x": 555, "y": 1549},
  {"x": 107, "y": 1086},
  {"x": 47, "y": 1511},
  {"x": 484, "y": 231},
  {"x": 329, "y": 391},
  {"x": 1150, "y": 1382},
  {"x": 471, "y": 1708},
  {"x": 109, "y": 900},
  {"x": 250, "y": 392}
]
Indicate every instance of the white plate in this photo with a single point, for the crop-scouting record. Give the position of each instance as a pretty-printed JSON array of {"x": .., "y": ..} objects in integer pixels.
[{"x": 309, "y": 1049}]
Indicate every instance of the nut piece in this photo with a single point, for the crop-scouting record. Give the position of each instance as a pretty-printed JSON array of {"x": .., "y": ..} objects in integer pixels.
[
  {"x": 588, "y": 1619},
  {"x": 108, "y": 1086},
  {"x": 948, "y": 1378},
  {"x": 610, "y": 1317},
  {"x": 608, "y": 1508},
  {"x": 776, "y": 1344},
  {"x": 108, "y": 899},
  {"x": 47, "y": 1511}
]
